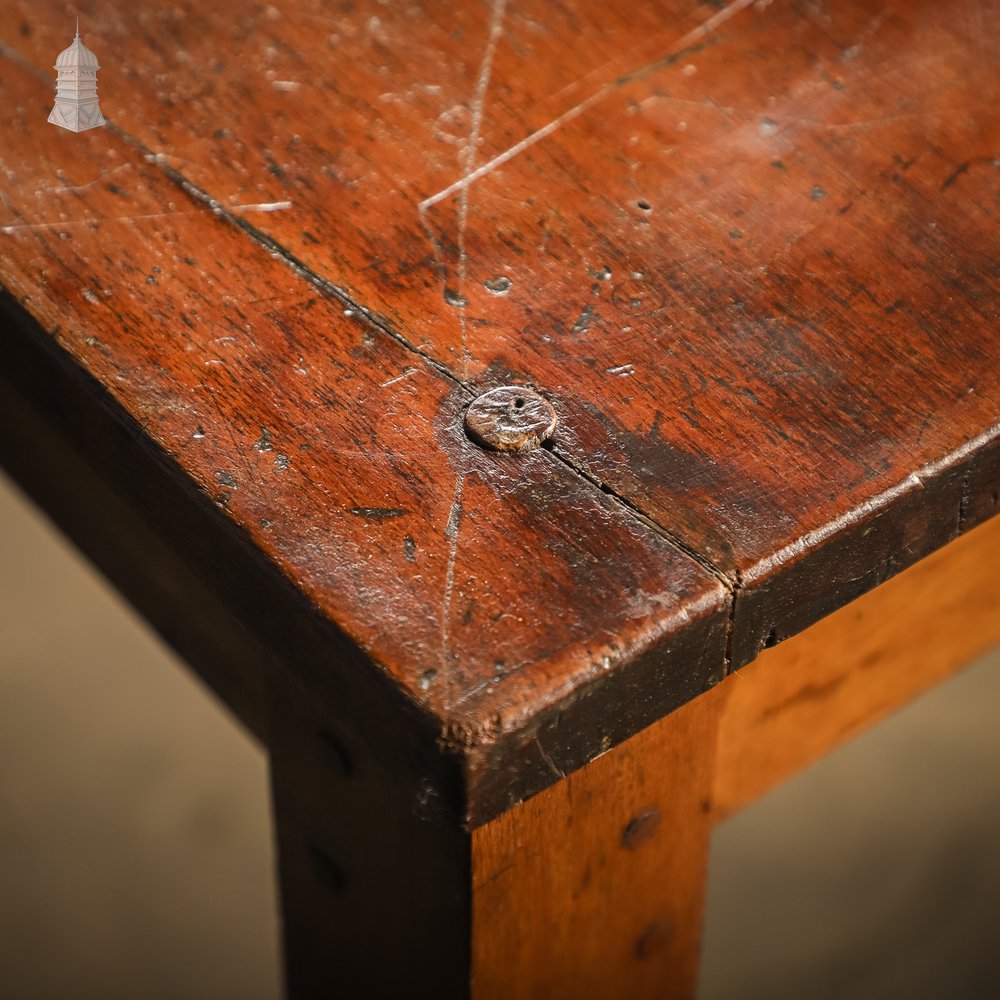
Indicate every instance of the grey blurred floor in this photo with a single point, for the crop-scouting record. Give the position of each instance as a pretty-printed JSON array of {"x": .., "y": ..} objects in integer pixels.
[{"x": 135, "y": 847}]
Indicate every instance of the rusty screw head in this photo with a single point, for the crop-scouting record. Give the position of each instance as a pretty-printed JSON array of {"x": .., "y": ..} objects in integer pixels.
[{"x": 510, "y": 418}]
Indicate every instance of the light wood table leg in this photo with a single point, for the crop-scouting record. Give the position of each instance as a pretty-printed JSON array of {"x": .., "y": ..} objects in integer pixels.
[{"x": 595, "y": 887}]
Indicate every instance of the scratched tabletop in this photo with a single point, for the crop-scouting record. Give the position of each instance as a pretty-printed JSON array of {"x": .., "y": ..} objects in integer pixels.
[{"x": 748, "y": 253}]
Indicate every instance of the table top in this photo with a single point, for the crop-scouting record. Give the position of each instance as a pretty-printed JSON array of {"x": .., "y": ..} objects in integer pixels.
[{"x": 747, "y": 252}]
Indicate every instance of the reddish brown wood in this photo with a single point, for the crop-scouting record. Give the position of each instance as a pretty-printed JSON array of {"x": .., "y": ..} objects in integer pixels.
[
  {"x": 315, "y": 471},
  {"x": 571, "y": 899},
  {"x": 747, "y": 248}
]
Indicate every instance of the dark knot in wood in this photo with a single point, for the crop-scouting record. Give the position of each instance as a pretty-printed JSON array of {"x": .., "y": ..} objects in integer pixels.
[{"x": 510, "y": 418}]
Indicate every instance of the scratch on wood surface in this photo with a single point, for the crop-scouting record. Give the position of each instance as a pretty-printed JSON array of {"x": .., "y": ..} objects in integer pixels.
[
  {"x": 73, "y": 188},
  {"x": 548, "y": 760},
  {"x": 468, "y": 163},
  {"x": 693, "y": 37},
  {"x": 97, "y": 220},
  {"x": 471, "y": 154},
  {"x": 399, "y": 378},
  {"x": 264, "y": 206},
  {"x": 451, "y": 533}
]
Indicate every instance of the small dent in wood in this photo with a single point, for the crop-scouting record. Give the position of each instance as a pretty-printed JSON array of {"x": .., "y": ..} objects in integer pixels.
[
  {"x": 654, "y": 939},
  {"x": 497, "y": 286},
  {"x": 328, "y": 870},
  {"x": 337, "y": 753},
  {"x": 641, "y": 828},
  {"x": 377, "y": 513},
  {"x": 263, "y": 443}
]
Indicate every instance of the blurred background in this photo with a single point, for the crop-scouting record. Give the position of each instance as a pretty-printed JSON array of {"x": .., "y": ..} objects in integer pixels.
[{"x": 135, "y": 845}]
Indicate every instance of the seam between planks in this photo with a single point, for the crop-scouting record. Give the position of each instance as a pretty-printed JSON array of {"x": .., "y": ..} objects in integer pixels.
[{"x": 199, "y": 195}]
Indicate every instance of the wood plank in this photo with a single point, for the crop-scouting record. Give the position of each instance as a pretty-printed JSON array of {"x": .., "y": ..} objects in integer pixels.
[
  {"x": 801, "y": 384},
  {"x": 802, "y": 699},
  {"x": 314, "y": 471},
  {"x": 595, "y": 886}
]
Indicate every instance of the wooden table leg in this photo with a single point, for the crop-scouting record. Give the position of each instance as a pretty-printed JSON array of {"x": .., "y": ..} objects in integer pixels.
[
  {"x": 373, "y": 869},
  {"x": 595, "y": 887}
]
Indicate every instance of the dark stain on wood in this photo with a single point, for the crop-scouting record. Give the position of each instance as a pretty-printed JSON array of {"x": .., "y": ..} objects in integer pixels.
[{"x": 753, "y": 431}]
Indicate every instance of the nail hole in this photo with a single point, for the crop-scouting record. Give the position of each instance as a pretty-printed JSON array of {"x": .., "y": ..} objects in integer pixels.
[
  {"x": 330, "y": 873},
  {"x": 641, "y": 828},
  {"x": 337, "y": 753},
  {"x": 519, "y": 403},
  {"x": 655, "y": 939},
  {"x": 644, "y": 205}
]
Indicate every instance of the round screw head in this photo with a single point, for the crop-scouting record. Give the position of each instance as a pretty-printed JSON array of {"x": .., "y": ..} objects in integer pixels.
[{"x": 510, "y": 418}]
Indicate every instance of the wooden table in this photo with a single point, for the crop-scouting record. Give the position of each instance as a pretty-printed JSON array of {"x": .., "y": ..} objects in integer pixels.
[{"x": 747, "y": 252}]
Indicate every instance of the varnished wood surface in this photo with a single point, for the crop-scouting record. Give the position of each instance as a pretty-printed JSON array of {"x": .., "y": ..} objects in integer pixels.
[
  {"x": 819, "y": 227},
  {"x": 802, "y": 699},
  {"x": 748, "y": 252},
  {"x": 333, "y": 450}
]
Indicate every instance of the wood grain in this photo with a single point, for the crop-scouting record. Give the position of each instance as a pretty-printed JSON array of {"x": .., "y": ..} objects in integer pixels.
[
  {"x": 748, "y": 249},
  {"x": 282, "y": 441},
  {"x": 594, "y": 888},
  {"x": 799, "y": 701}
]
